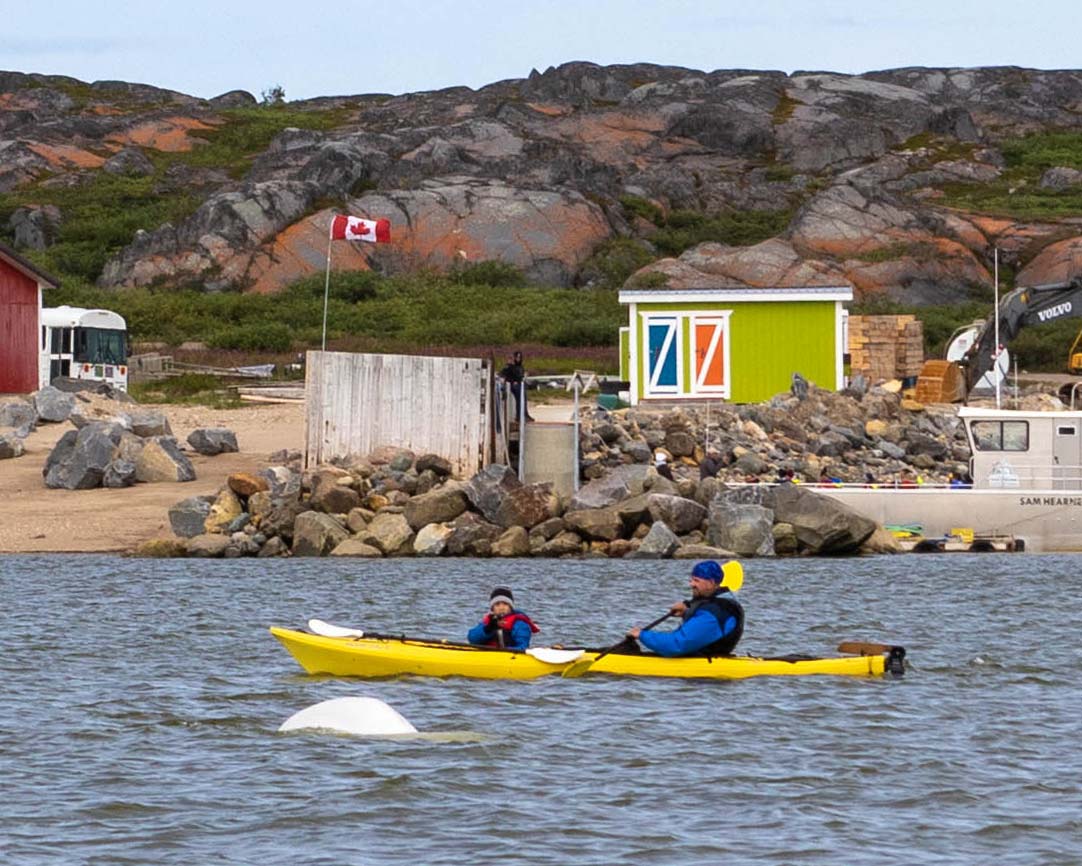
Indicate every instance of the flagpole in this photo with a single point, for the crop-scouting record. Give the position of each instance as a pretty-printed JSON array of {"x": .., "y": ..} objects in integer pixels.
[
  {"x": 999, "y": 348},
  {"x": 327, "y": 289}
]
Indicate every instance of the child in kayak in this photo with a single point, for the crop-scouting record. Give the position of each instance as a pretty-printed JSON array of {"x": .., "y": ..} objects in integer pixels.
[{"x": 503, "y": 626}]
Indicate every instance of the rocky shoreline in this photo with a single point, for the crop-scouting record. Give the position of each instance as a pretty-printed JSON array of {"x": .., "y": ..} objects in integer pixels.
[
  {"x": 735, "y": 488},
  {"x": 395, "y": 503}
]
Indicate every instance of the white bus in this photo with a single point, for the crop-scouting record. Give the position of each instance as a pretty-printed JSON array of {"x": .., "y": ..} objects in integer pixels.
[{"x": 84, "y": 344}]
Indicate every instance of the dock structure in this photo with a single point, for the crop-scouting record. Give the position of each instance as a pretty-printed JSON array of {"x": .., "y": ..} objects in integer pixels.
[{"x": 960, "y": 544}]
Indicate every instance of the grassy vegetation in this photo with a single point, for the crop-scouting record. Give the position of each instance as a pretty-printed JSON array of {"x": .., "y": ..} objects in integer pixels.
[
  {"x": 191, "y": 388},
  {"x": 368, "y": 312},
  {"x": 247, "y": 132},
  {"x": 684, "y": 229},
  {"x": 1016, "y": 193},
  {"x": 893, "y": 252}
]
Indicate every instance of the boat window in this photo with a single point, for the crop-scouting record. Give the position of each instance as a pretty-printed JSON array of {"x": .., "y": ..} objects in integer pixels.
[
  {"x": 1001, "y": 435},
  {"x": 1065, "y": 431},
  {"x": 1016, "y": 436}
]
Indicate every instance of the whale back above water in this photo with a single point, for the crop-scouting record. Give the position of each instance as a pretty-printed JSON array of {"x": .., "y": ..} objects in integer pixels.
[{"x": 366, "y": 717}]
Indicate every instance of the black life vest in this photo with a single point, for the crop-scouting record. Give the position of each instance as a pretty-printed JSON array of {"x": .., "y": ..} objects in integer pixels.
[
  {"x": 502, "y": 636},
  {"x": 723, "y": 607}
]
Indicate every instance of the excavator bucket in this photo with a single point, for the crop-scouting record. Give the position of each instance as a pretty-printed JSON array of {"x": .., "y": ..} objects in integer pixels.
[{"x": 940, "y": 382}]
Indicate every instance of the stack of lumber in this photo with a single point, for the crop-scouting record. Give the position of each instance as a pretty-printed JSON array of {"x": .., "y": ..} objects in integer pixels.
[{"x": 885, "y": 347}]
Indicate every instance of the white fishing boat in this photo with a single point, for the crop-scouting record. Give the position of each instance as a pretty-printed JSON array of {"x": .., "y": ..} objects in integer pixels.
[{"x": 1026, "y": 470}]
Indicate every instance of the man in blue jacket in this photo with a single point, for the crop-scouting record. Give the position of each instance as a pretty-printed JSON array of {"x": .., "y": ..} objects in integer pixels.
[{"x": 713, "y": 620}]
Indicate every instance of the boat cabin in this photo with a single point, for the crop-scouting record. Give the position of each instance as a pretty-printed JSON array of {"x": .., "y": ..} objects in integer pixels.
[{"x": 1026, "y": 450}]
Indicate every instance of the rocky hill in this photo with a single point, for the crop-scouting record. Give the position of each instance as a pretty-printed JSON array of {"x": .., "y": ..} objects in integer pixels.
[{"x": 899, "y": 182}]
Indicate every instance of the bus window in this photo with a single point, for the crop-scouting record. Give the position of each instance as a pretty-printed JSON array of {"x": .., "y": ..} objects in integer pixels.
[
  {"x": 96, "y": 346},
  {"x": 61, "y": 341}
]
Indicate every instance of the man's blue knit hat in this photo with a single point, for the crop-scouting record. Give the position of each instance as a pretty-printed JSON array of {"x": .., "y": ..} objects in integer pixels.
[{"x": 708, "y": 570}]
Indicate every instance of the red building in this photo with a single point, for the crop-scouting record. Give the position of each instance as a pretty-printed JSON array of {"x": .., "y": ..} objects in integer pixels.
[{"x": 21, "y": 284}]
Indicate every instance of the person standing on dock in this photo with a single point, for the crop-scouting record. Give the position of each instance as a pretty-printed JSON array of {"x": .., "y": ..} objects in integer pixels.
[{"x": 514, "y": 374}]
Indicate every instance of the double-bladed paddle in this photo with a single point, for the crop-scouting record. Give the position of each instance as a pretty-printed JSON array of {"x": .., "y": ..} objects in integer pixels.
[
  {"x": 548, "y": 655},
  {"x": 732, "y": 580}
]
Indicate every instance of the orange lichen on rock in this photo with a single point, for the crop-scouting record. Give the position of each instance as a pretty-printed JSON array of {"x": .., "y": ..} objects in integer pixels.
[
  {"x": 170, "y": 134},
  {"x": 66, "y": 156},
  {"x": 300, "y": 251}
]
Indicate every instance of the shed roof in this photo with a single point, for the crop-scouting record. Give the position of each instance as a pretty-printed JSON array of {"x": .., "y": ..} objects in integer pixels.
[
  {"x": 28, "y": 269},
  {"x": 736, "y": 295}
]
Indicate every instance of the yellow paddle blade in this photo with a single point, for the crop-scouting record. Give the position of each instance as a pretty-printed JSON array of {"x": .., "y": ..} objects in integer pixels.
[{"x": 732, "y": 575}]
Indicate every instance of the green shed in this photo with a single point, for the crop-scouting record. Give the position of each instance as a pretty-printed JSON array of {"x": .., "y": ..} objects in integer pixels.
[{"x": 741, "y": 345}]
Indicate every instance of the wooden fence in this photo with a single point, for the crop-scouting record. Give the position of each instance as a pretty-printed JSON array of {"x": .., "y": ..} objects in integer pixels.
[{"x": 356, "y": 403}]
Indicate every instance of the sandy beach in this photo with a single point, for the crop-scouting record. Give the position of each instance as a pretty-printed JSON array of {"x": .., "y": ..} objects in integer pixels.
[{"x": 35, "y": 519}]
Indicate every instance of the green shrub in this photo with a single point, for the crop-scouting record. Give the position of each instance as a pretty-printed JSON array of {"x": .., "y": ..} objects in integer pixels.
[
  {"x": 616, "y": 260},
  {"x": 1044, "y": 150},
  {"x": 487, "y": 273},
  {"x": 684, "y": 229},
  {"x": 636, "y": 205},
  {"x": 265, "y": 336}
]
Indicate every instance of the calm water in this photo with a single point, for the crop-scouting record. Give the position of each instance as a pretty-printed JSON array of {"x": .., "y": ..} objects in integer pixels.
[{"x": 142, "y": 698}]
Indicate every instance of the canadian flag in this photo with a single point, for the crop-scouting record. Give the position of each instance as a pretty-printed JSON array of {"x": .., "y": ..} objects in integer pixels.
[{"x": 350, "y": 228}]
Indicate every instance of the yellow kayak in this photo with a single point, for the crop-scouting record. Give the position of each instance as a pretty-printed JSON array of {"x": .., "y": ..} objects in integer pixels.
[{"x": 385, "y": 656}]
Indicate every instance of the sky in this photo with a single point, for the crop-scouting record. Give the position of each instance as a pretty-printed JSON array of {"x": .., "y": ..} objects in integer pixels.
[{"x": 205, "y": 48}]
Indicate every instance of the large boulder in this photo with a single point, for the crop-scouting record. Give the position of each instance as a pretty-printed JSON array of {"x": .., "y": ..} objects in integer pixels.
[
  {"x": 602, "y": 524},
  {"x": 472, "y": 536},
  {"x": 660, "y": 543},
  {"x": 79, "y": 462},
  {"x": 53, "y": 404},
  {"x": 747, "y": 530},
  {"x": 316, "y": 534},
  {"x": 18, "y": 413},
  {"x": 431, "y": 540},
  {"x": 441, "y": 505},
  {"x": 149, "y": 422},
  {"x": 334, "y": 495},
  {"x": 497, "y": 493},
  {"x": 10, "y": 446},
  {"x": 162, "y": 460},
  {"x": 514, "y": 542},
  {"x": 208, "y": 546},
  {"x": 225, "y": 509},
  {"x": 679, "y": 514},
  {"x": 213, "y": 440},
  {"x": 823, "y": 526},
  {"x": 389, "y": 532},
  {"x": 601, "y": 492},
  {"x": 187, "y": 517}
]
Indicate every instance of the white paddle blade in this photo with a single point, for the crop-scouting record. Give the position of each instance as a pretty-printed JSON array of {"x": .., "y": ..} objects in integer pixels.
[
  {"x": 551, "y": 656},
  {"x": 325, "y": 629},
  {"x": 365, "y": 717}
]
